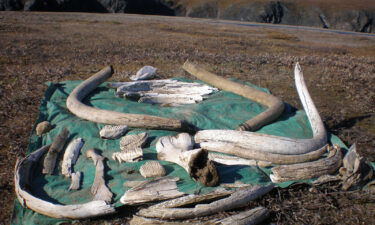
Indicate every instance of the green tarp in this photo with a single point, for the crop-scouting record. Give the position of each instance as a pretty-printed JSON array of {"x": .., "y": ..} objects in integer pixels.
[{"x": 222, "y": 110}]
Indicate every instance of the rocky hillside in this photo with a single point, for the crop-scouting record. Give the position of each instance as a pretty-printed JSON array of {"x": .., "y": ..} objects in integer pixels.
[{"x": 351, "y": 15}]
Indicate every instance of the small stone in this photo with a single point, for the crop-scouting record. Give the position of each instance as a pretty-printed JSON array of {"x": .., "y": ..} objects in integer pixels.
[{"x": 43, "y": 127}]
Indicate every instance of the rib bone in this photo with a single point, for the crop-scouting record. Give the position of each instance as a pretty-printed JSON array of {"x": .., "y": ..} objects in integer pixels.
[
  {"x": 23, "y": 173},
  {"x": 195, "y": 162},
  {"x": 275, "y": 144},
  {"x": 83, "y": 111},
  {"x": 98, "y": 188},
  {"x": 274, "y": 104}
]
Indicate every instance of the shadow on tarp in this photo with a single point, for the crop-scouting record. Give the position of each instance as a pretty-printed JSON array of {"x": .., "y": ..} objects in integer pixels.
[{"x": 221, "y": 110}]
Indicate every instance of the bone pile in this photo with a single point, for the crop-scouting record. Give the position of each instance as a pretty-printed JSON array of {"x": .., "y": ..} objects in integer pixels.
[{"x": 168, "y": 92}]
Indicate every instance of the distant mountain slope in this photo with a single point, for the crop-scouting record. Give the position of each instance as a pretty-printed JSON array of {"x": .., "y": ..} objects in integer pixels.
[{"x": 352, "y": 15}]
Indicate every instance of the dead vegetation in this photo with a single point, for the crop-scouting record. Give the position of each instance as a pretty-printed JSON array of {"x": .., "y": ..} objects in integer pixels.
[{"x": 339, "y": 70}]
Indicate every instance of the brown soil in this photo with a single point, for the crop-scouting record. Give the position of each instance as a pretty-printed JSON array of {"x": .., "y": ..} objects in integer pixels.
[{"x": 339, "y": 71}]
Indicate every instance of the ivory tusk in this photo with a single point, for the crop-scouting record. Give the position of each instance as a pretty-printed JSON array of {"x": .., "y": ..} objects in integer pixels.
[
  {"x": 75, "y": 105},
  {"x": 274, "y": 104},
  {"x": 247, "y": 217},
  {"x": 237, "y": 199},
  {"x": 275, "y": 144},
  {"x": 262, "y": 157},
  {"x": 308, "y": 170},
  {"x": 23, "y": 173}
]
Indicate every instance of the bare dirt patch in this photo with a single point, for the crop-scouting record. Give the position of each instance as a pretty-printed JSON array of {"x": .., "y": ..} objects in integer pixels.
[{"x": 339, "y": 71}]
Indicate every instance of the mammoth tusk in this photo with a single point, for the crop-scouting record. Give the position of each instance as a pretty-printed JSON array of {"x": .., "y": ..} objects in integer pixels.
[
  {"x": 98, "y": 188},
  {"x": 75, "y": 105},
  {"x": 276, "y": 144},
  {"x": 23, "y": 173},
  {"x": 274, "y": 104},
  {"x": 166, "y": 210},
  {"x": 252, "y": 216},
  {"x": 308, "y": 170},
  {"x": 262, "y": 157},
  {"x": 194, "y": 161},
  {"x": 233, "y": 160}
]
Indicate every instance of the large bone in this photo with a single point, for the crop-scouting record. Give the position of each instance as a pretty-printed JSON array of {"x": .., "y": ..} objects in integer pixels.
[
  {"x": 98, "y": 188},
  {"x": 276, "y": 144},
  {"x": 252, "y": 216},
  {"x": 165, "y": 91},
  {"x": 75, "y": 105},
  {"x": 233, "y": 160},
  {"x": 24, "y": 171},
  {"x": 274, "y": 104},
  {"x": 195, "y": 162},
  {"x": 309, "y": 170},
  {"x": 56, "y": 147},
  {"x": 237, "y": 199},
  {"x": 262, "y": 158},
  {"x": 162, "y": 188},
  {"x": 70, "y": 156}
]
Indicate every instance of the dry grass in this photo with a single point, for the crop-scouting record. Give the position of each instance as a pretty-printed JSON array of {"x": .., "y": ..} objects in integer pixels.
[{"x": 40, "y": 47}]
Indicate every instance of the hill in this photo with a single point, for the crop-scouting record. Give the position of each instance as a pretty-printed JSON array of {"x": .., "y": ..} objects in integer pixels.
[{"x": 358, "y": 15}]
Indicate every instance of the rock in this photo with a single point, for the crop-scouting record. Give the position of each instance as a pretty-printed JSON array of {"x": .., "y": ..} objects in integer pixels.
[
  {"x": 8, "y": 5},
  {"x": 43, "y": 127}
]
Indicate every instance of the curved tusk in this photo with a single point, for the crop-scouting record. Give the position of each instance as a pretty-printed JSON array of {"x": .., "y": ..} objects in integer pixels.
[
  {"x": 263, "y": 157},
  {"x": 23, "y": 174},
  {"x": 274, "y": 104},
  {"x": 276, "y": 144},
  {"x": 308, "y": 170},
  {"x": 75, "y": 105},
  {"x": 238, "y": 199}
]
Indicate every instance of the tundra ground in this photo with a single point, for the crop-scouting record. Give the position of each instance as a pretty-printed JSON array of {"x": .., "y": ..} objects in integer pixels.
[{"x": 339, "y": 71}]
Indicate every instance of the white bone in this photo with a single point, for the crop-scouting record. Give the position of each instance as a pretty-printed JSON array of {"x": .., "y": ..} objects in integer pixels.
[
  {"x": 24, "y": 172},
  {"x": 70, "y": 156},
  {"x": 276, "y": 144}
]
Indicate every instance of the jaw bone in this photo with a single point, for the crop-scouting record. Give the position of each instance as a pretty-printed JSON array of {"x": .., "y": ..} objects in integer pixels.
[
  {"x": 195, "y": 162},
  {"x": 23, "y": 173},
  {"x": 274, "y": 144}
]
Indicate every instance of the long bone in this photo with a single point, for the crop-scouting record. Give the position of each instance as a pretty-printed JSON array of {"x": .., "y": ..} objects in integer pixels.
[
  {"x": 276, "y": 144},
  {"x": 274, "y": 104},
  {"x": 99, "y": 188},
  {"x": 75, "y": 105},
  {"x": 263, "y": 157},
  {"x": 308, "y": 170},
  {"x": 238, "y": 199},
  {"x": 23, "y": 173}
]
